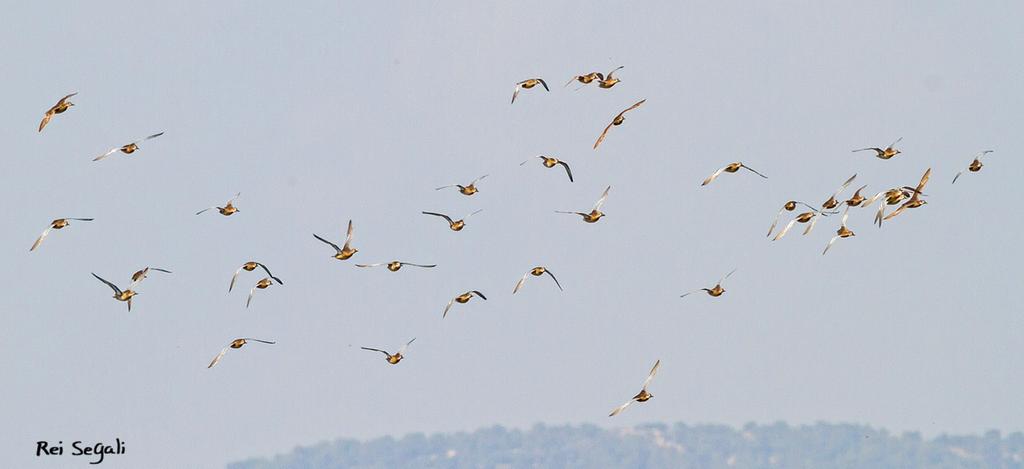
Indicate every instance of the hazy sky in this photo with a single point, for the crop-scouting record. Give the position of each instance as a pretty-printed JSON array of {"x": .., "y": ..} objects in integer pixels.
[{"x": 324, "y": 112}]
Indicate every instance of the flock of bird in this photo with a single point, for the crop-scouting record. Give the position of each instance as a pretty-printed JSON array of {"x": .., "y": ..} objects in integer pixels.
[{"x": 903, "y": 198}]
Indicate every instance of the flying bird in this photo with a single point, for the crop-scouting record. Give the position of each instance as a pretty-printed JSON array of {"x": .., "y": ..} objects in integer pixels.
[
  {"x": 228, "y": 209},
  {"x": 455, "y": 225},
  {"x": 550, "y": 162},
  {"x": 915, "y": 200},
  {"x": 55, "y": 225},
  {"x": 249, "y": 267},
  {"x": 643, "y": 395},
  {"x": 715, "y": 291},
  {"x": 536, "y": 272},
  {"x": 804, "y": 217},
  {"x": 618, "y": 120},
  {"x": 787, "y": 207},
  {"x": 397, "y": 357},
  {"x": 609, "y": 80},
  {"x": 832, "y": 203},
  {"x": 138, "y": 276},
  {"x": 58, "y": 108},
  {"x": 856, "y": 199},
  {"x": 127, "y": 149},
  {"x": 463, "y": 298},
  {"x": 120, "y": 295},
  {"x": 885, "y": 154},
  {"x": 975, "y": 165},
  {"x": 586, "y": 79},
  {"x": 347, "y": 250},
  {"x": 527, "y": 84},
  {"x": 237, "y": 343},
  {"x": 395, "y": 265},
  {"x": 730, "y": 168},
  {"x": 842, "y": 233},
  {"x": 469, "y": 189},
  {"x": 595, "y": 213},
  {"x": 261, "y": 285}
]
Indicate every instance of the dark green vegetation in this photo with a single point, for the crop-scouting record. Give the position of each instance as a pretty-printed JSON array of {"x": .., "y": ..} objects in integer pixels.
[{"x": 662, "y": 446}]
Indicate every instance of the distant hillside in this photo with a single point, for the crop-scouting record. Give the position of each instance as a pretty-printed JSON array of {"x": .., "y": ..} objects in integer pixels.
[{"x": 661, "y": 446}]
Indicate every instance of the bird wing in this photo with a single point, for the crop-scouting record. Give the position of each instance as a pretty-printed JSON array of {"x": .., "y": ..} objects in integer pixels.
[
  {"x": 348, "y": 236},
  {"x": 603, "y": 134},
  {"x": 713, "y": 176},
  {"x": 474, "y": 213},
  {"x": 446, "y": 308},
  {"x": 420, "y": 265},
  {"x": 143, "y": 139},
  {"x": 571, "y": 80},
  {"x": 776, "y": 221},
  {"x": 784, "y": 230},
  {"x": 376, "y": 350},
  {"x": 265, "y": 269},
  {"x": 727, "y": 276},
  {"x": 446, "y": 217},
  {"x": 108, "y": 153},
  {"x": 406, "y": 346},
  {"x": 895, "y": 142},
  {"x": 260, "y": 340},
  {"x": 833, "y": 240},
  {"x": 843, "y": 187},
  {"x": 251, "y": 292},
  {"x": 541, "y": 80},
  {"x": 520, "y": 283},
  {"x": 445, "y": 187},
  {"x": 515, "y": 93},
  {"x": 553, "y": 278},
  {"x": 111, "y": 285},
  {"x": 924, "y": 180},
  {"x": 218, "y": 357},
  {"x": 371, "y": 265},
  {"x": 46, "y": 119},
  {"x": 634, "y": 106},
  {"x": 233, "y": 199},
  {"x": 748, "y": 168},
  {"x": 567, "y": 170},
  {"x": 205, "y": 209},
  {"x": 653, "y": 372},
  {"x": 879, "y": 150},
  {"x": 895, "y": 212},
  {"x": 604, "y": 196},
  {"x": 233, "y": 278},
  {"x": 957, "y": 176},
  {"x": 619, "y": 409},
  {"x": 613, "y": 71},
  {"x": 478, "y": 179},
  {"x": 40, "y": 239},
  {"x": 481, "y": 295},
  {"x": 335, "y": 246}
]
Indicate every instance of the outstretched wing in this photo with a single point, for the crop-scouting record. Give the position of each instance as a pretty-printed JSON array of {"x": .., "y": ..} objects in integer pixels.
[
  {"x": 602, "y": 136},
  {"x": 843, "y": 187},
  {"x": 567, "y": 170},
  {"x": 233, "y": 278},
  {"x": 446, "y": 308},
  {"x": 218, "y": 357},
  {"x": 108, "y": 153},
  {"x": 619, "y": 409},
  {"x": 604, "y": 197},
  {"x": 481, "y": 295},
  {"x": 251, "y": 292},
  {"x": 40, "y": 239},
  {"x": 335, "y": 246},
  {"x": 371, "y": 265},
  {"x": 726, "y": 276},
  {"x": 376, "y": 350},
  {"x": 544, "y": 84},
  {"x": 559, "y": 285},
  {"x": 406, "y": 346},
  {"x": 748, "y": 168},
  {"x": 634, "y": 106},
  {"x": 515, "y": 93},
  {"x": 446, "y": 217},
  {"x": 111, "y": 285},
  {"x": 713, "y": 176},
  {"x": 650, "y": 375},
  {"x": 785, "y": 230},
  {"x": 348, "y": 236},
  {"x": 420, "y": 265},
  {"x": 520, "y": 283},
  {"x": 832, "y": 241},
  {"x": 265, "y": 269}
]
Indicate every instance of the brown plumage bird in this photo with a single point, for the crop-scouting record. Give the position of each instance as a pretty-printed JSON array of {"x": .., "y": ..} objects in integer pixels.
[
  {"x": 595, "y": 213},
  {"x": 715, "y": 291},
  {"x": 886, "y": 153},
  {"x": 263, "y": 284},
  {"x": 832, "y": 202},
  {"x": 787, "y": 207},
  {"x": 57, "y": 224},
  {"x": 643, "y": 395},
  {"x": 804, "y": 217},
  {"x": 618, "y": 120},
  {"x": 536, "y": 272},
  {"x": 127, "y": 148},
  {"x": 344, "y": 252},
  {"x": 228, "y": 209},
  {"x": 468, "y": 189},
  {"x": 842, "y": 233},
  {"x": 975, "y": 165},
  {"x": 730, "y": 168},
  {"x": 249, "y": 267},
  {"x": 237, "y": 343},
  {"x": 551, "y": 162},
  {"x": 527, "y": 84},
  {"x": 394, "y": 266},
  {"x": 461, "y": 299},
  {"x": 120, "y": 295},
  {"x": 586, "y": 79},
  {"x": 140, "y": 275},
  {"x": 454, "y": 225},
  {"x": 915, "y": 200},
  {"x": 58, "y": 108},
  {"x": 392, "y": 358},
  {"x": 609, "y": 80}
]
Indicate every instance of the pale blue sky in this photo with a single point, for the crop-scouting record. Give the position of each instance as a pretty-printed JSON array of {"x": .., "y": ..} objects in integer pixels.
[{"x": 323, "y": 112}]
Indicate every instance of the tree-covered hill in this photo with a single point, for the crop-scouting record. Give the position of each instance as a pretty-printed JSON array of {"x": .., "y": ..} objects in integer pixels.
[{"x": 661, "y": 446}]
